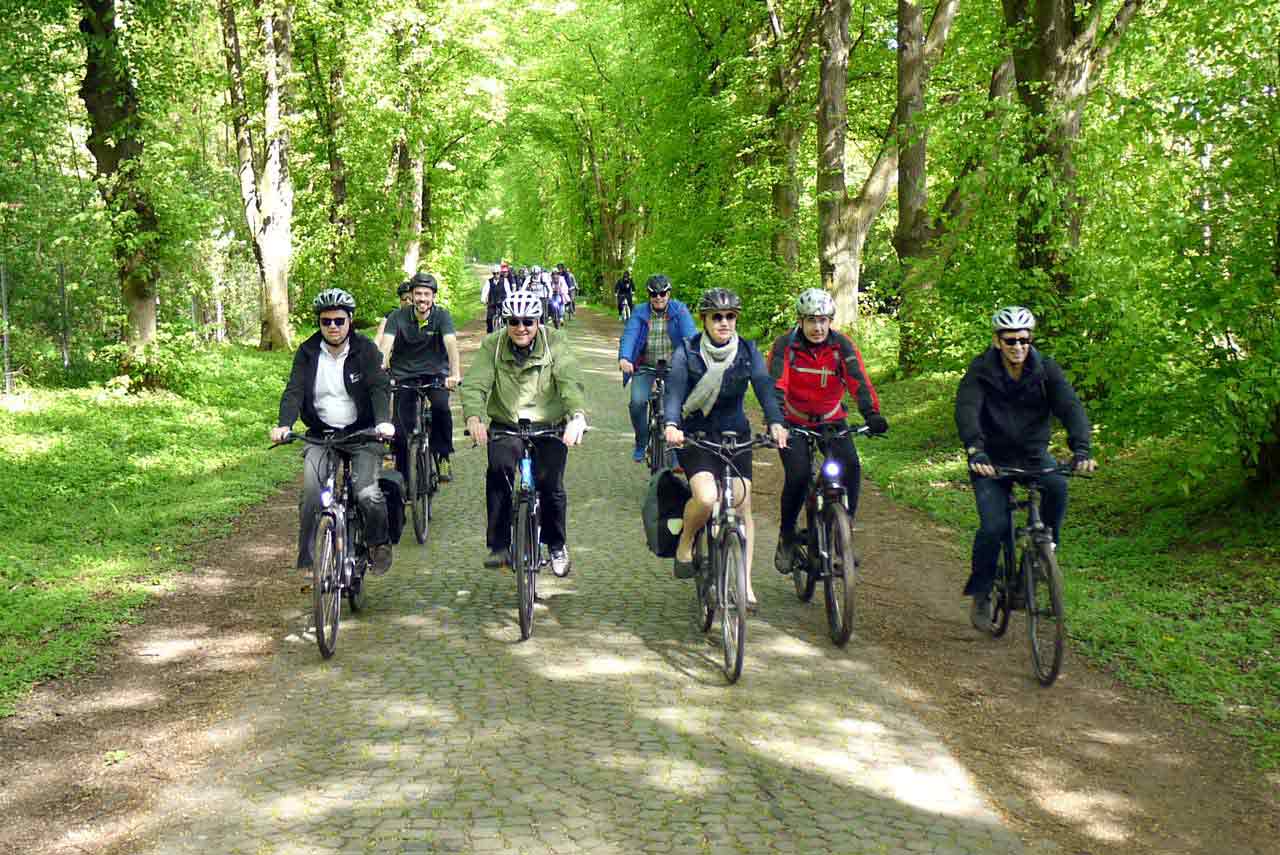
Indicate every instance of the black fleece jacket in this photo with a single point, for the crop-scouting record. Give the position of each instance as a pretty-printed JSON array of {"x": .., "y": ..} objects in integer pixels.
[
  {"x": 1010, "y": 419},
  {"x": 366, "y": 382}
]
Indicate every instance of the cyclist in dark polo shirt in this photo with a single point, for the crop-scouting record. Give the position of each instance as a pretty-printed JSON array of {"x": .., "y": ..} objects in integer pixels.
[{"x": 419, "y": 343}]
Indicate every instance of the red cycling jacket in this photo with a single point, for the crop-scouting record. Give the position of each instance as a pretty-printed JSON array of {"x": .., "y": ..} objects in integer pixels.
[{"x": 812, "y": 378}]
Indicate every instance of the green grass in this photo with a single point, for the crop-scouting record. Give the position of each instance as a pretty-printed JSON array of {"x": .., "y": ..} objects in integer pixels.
[
  {"x": 105, "y": 493},
  {"x": 1171, "y": 591}
]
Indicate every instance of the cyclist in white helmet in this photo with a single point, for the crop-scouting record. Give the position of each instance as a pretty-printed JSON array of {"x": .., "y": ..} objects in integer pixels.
[
  {"x": 525, "y": 371},
  {"x": 1004, "y": 407}
]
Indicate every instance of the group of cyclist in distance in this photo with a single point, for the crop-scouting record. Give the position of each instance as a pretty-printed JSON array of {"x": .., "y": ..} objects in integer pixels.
[{"x": 525, "y": 371}]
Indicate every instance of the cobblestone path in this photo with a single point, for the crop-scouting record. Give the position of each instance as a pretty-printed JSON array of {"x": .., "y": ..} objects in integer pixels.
[{"x": 434, "y": 729}]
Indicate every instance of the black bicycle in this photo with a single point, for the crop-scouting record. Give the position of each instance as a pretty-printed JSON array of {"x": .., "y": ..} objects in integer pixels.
[
  {"x": 527, "y": 554},
  {"x": 720, "y": 555},
  {"x": 339, "y": 556},
  {"x": 422, "y": 480},
  {"x": 824, "y": 547},
  {"x": 1028, "y": 577},
  {"x": 656, "y": 451},
  {"x": 624, "y": 310}
]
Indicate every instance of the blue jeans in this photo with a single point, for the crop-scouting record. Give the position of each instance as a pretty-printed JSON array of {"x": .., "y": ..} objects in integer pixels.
[
  {"x": 992, "y": 495},
  {"x": 641, "y": 387}
]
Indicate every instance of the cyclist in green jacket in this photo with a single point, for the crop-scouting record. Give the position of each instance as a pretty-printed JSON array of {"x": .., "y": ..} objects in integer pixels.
[{"x": 525, "y": 371}]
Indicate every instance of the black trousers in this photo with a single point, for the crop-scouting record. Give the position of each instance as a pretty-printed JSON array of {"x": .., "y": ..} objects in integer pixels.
[
  {"x": 796, "y": 463},
  {"x": 365, "y": 463},
  {"x": 549, "y": 456},
  {"x": 406, "y": 412}
]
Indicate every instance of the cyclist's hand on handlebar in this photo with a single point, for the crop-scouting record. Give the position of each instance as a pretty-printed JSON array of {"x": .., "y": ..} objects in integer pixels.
[
  {"x": 626, "y": 367},
  {"x": 980, "y": 463},
  {"x": 674, "y": 436},
  {"x": 478, "y": 431},
  {"x": 779, "y": 434},
  {"x": 877, "y": 424},
  {"x": 452, "y": 382},
  {"x": 385, "y": 431},
  {"x": 1083, "y": 463},
  {"x": 279, "y": 434},
  {"x": 574, "y": 430}
]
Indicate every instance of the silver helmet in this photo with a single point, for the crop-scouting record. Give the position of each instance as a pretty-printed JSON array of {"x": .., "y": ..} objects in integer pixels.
[
  {"x": 815, "y": 301},
  {"x": 1013, "y": 318}
]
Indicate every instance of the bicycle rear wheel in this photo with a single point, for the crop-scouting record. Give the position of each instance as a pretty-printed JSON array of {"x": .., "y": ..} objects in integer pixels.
[
  {"x": 840, "y": 574},
  {"x": 657, "y": 444},
  {"x": 419, "y": 483},
  {"x": 1002, "y": 593},
  {"x": 732, "y": 588},
  {"x": 1046, "y": 620},
  {"x": 705, "y": 600},
  {"x": 806, "y": 551},
  {"x": 326, "y": 585},
  {"x": 356, "y": 596},
  {"x": 524, "y": 560}
]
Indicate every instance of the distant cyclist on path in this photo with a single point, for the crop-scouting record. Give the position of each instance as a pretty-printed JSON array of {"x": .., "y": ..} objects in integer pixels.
[{"x": 652, "y": 334}]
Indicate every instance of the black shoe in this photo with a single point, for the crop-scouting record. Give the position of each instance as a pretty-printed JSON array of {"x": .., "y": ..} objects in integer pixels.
[
  {"x": 380, "y": 558},
  {"x": 980, "y": 613},
  {"x": 684, "y": 569},
  {"x": 784, "y": 555},
  {"x": 497, "y": 558}
]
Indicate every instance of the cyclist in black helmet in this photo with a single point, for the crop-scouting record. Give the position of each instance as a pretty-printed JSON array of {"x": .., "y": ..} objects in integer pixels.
[
  {"x": 1004, "y": 405},
  {"x": 337, "y": 385},
  {"x": 652, "y": 335}
]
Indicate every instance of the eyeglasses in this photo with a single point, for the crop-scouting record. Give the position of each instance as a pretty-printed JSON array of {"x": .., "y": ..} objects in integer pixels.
[
  {"x": 1016, "y": 342},
  {"x": 659, "y": 295},
  {"x": 721, "y": 317},
  {"x": 333, "y": 322},
  {"x": 521, "y": 322}
]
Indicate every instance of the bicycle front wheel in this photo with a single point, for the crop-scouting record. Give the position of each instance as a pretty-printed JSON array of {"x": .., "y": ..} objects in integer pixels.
[
  {"x": 419, "y": 485},
  {"x": 524, "y": 560},
  {"x": 326, "y": 585},
  {"x": 732, "y": 588},
  {"x": 1046, "y": 620},
  {"x": 840, "y": 574},
  {"x": 803, "y": 576},
  {"x": 703, "y": 589}
]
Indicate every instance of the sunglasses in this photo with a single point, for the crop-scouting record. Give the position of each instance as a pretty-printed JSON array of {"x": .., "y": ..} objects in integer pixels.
[
  {"x": 659, "y": 295},
  {"x": 721, "y": 317},
  {"x": 1015, "y": 342},
  {"x": 333, "y": 322},
  {"x": 521, "y": 322}
]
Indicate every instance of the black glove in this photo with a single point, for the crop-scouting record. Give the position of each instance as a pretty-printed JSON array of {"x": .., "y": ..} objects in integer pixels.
[
  {"x": 877, "y": 423},
  {"x": 980, "y": 459}
]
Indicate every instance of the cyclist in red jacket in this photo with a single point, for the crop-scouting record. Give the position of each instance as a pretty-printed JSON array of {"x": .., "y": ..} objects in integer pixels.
[{"x": 813, "y": 366}]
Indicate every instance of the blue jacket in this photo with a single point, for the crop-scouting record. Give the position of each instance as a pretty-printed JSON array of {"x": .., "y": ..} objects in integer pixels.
[
  {"x": 728, "y": 412},
  {"x": 635, "y": 335}
]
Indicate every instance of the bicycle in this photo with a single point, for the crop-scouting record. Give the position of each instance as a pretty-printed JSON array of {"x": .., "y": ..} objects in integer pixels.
[
  {"x": 422, "y": 480},
  {"x": 624, "y": 310},
  {"x": 527, "y": 558},
  {"x": 824, "y": 548},
  {"x": 720, "y": 556},
  {"x": 656, "y": 452},
  {"x": 1036, "y": 583},
  {"x": 339, "y": 557}
]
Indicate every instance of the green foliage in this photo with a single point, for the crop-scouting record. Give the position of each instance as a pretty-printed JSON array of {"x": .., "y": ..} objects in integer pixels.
[{"x": 115, "y": 489}]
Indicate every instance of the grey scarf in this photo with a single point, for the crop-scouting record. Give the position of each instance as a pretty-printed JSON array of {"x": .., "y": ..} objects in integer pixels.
[{"x": 718, "y": 359}]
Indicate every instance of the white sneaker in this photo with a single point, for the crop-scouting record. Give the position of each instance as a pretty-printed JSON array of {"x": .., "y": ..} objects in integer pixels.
[{"x": 560, "y": 563}]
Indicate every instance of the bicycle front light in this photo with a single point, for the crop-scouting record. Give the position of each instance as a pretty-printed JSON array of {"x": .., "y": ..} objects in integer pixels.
[{"x": 831, "y": 469}]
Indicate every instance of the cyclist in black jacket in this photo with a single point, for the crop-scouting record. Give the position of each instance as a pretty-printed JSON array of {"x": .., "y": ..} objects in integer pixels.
[
  {"x": 1004, "y": 407},
  {"x": 337, "y": 384}
]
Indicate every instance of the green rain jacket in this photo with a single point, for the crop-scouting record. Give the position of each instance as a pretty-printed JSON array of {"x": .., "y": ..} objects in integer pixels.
[{"x": 547, "y": 389}]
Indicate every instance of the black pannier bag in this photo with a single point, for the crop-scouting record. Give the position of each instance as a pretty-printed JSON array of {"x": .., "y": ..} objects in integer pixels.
[
  {"x": 392, "y": 484},
  {"x": 663, "y": 512}
]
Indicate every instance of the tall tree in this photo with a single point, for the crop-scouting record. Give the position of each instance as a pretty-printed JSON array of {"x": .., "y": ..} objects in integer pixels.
[
  {"x": 115, "y": 139},
  {"x": 266, "y": 192}
]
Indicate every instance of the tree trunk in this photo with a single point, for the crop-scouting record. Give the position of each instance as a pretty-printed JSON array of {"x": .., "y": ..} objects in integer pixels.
[
  {"x": 412, "y": 244},
  {"x": 112, "y": 103},
  {"x": 836, "y": 261},
  {"x": 327, "y": 101},
  {"x": 911, "y": 237},
  {"x": 785, "y": 194}
]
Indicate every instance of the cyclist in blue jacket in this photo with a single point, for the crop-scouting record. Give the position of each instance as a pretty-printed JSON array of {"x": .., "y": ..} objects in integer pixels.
[{"x": 653, "y": 333}]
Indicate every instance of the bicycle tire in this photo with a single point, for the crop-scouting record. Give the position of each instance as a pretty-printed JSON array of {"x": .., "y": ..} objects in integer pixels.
[
  {"x": 357, "y": 598},
  {"x": 657, "y": 444},
  {"x": 326, "y": 585},
  {"x": 801, "y": 558},
  {"x": 1002, "y": 594},
  {"x": 524, "y": 562},
  {"x": 704, "y": 605},
  {"x": 1046, "y": 620},
  {"x": 840, "y": 575},
  {"x": 418, "y": 489},
  {"x": 732, "y": 590}
]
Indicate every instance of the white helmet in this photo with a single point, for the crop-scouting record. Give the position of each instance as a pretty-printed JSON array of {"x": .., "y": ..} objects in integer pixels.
[
  {"x": 522, "y": 304},
  {"x": 1013, "y": 318},
  {"x": 815, "y": 301}
]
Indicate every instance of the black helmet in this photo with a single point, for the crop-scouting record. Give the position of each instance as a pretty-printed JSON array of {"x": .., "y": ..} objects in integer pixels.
[
  {"x": 334, "y": 298},
  {"x": 404, "y": 288},
  {"x": 424, "y": 280},
  {"x": 658, "y": 284},
  {"x": 719, "y": 298}
]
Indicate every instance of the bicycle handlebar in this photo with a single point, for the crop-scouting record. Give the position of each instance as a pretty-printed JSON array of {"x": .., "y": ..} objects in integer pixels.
[
  {"x": 1062, "y": 467},
  {"x": 725, "y": 450},
  {"x": 332, "y": 440},
  {"x": 433, "y": 383},
  {"x": 830, "y": 430}
]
